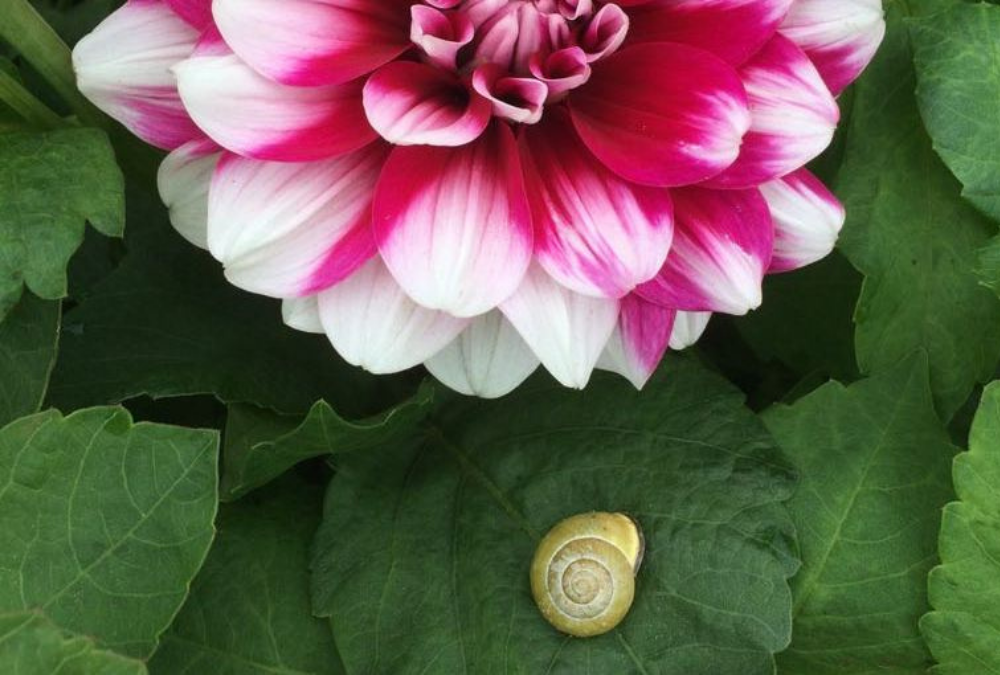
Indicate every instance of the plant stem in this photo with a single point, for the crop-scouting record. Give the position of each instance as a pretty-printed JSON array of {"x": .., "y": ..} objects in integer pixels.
[
  {"x": 28, "y": 33},
  {"x": 33, "y": 111}
]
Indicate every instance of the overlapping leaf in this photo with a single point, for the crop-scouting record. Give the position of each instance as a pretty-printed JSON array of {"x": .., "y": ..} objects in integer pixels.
[
  {"x": 50, "y": 185},
  {"x": 958, "y": 76},
  {"x": 261, "y": 446},
  {"x": 248, "y": 612},
  {"x": 103, "y": 524},
  {"x": 166, "y": 323},
  {"x": 31, "y": 645},
  {"x": 912, "y": 235},
  {"x": 422, "y": 558},
  {"x": 963, "y": 631},
  {"x": 874, "y": 461},
  {"x": 28, "y": 339}
]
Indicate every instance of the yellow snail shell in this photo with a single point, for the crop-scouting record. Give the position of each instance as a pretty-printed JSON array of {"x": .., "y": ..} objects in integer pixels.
[{"x": 583, "y": 572}]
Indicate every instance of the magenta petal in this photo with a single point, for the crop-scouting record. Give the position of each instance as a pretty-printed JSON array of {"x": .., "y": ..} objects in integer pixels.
[
  {"x": 807, "y": 219},
  {"x": 314, "y": 42},
  {"x": 640, "y": 340},
  {"x": 733, "y": 30},
  {"x": 414, "y": 104},
  {"x": 250, "y": 115},
  {"x": 123, "y": 67},
  {"x": 441, "y": 36},
  {"x": 840, "y": 37},
  {"x": 453, "y": 224},
  {"x": 288, "y": 229},
  {"x": 722, "y": 247},
  {"x": 660, "y": 125},
  {"x": 793, "y": 116},
  {"x": 517, "y": 99},
  {"x": 198, "y": 13},
  {"x": 594, "y": 232}
]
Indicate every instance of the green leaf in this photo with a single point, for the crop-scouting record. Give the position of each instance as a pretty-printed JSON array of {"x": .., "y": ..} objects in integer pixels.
[
  {"x": 913, "y": 236},
  {"x": 248, "y": 612},
  {"x": 874, "y": 464},
  {"x": 28, "y": 339},
  {"x": 431, "y": 573},
  {"x": 958, "y": 87},
  {"x": 258, "y": 449},
  {"x": 32, "y": 645},
  {"x": 963, "y": 631},
  {"x": 989, "y": 265},
  {"x": 50, "y": 184},
  {"x": 196, "y": 334},
  {"x": 103, "y": 523},
  {"x": 805, "y": 321}
]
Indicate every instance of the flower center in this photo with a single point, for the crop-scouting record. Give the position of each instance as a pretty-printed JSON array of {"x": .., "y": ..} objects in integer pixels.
[{"x": 518, "y": 54}]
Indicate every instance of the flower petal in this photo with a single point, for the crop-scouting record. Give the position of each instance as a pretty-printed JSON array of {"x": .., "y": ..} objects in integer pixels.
[
  {"x": 807, "y": 219},
  {"x": 198, "y": 13},
  {"x": 453, "y": 224},
  {"x": 290, "y": 229},
  {"x": 594, "y": 232},
  {"x": 252, "y": 116},
  {"x": 414, "y": 104},
  {"x": 639, "y": 341},
  {"x": 688, "y": 329},
  {"x": 123, "y": 67},
  {"x": 314, "y": 42},
  {"x": 722, "y": 247},
  {"x": 840, "y": 37},
  {"x": 733, "y": 30},
  {"x": 183, "y": 182},
  {"x": 793, "y": 116},
  {"x": 489, "y": 359},
  {"x": 662, "y": 126},
  {"x": 566, "y": 330},
  {"x": 373, "y": 324},
  {"x": 302, "y": 314}
]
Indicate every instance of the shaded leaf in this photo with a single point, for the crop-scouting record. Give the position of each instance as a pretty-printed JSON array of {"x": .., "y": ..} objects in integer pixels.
[
  {"x": 50, "y": 184},
  {"x": 958, "y": 87},
  {"x": 431, "y": 575},
  {"x": 963, "y": 631},
  {"x": 167, "y": 323},
  {"x": 874, "y": 464},
  {"x": 30, "y": 644},
  {"x": 248, "y": 612},
  {"x": 28, "y": 339},
  {"x": 913, "y": 236},
  {"x": 805, "y": 321},
  {"x": 260, "y": 447},
  {"x": 103, "y": 523}
]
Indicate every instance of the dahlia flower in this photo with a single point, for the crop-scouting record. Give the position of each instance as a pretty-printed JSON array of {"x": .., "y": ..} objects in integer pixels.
[{"x": 485, "y": 185}]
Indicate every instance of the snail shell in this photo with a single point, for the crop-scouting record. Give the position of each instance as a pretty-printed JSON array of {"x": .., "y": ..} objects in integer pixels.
[{"x": 583, "y": 572}]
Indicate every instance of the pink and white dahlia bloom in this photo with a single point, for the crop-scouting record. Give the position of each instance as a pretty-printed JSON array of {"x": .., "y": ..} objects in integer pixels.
[{"x": 485, "y": 185}]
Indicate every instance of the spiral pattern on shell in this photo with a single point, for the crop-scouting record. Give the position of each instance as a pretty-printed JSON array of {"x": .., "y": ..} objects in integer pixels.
[{"x": 583, "y": 573}]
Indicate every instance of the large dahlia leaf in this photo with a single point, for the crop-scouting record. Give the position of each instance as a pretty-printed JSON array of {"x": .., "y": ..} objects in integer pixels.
[
  {"x": 248, "y": 611},
  {"x": 913, "y": 237},
  {"x": 874, "y": 475},
  {"x": 431, "y": 575},
  {"x": 31, "y": 645},
  {"x": 104, "y": 523},
  {"x": 963, "y": 631}
]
